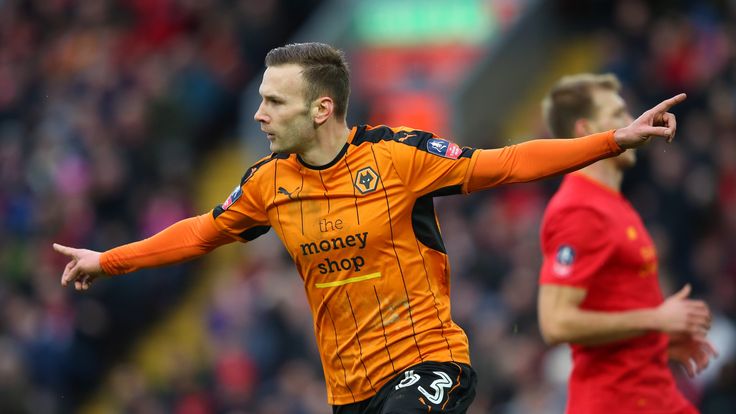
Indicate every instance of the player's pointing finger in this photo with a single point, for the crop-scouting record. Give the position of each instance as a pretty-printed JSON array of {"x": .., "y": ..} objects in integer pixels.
[
  {"x": 64, "y": 250},
  {"x": 665, "y": 105}
]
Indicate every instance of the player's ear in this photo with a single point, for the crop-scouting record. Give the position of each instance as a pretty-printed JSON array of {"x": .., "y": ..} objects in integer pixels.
[
  {"x": 322, "y": 109},
  {"x": 581, "y": 127}
]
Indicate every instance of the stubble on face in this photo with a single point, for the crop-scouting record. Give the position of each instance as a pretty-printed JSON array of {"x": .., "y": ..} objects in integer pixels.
[{"x": 285, "y": 113}]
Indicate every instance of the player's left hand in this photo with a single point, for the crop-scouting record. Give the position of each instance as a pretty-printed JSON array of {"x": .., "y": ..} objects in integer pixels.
[
  {"x": 693, "y": 354},
  {"x": 656, "y": 122}
]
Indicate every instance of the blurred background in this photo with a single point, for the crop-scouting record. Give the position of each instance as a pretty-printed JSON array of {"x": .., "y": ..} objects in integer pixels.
[{"x": 120, "y": 117}]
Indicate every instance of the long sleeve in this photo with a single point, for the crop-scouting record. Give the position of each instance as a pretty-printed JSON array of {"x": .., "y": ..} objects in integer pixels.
[
  {"x": 537, "y": 159},
  {"x": 183, "y": 240}
]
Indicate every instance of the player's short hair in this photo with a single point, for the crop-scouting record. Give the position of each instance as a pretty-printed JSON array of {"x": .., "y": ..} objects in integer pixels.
[
  {"x": 326, "y": 70},
  {"x": 571, "y": 98}
]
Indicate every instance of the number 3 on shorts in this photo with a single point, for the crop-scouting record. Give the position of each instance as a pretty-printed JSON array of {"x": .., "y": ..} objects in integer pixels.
[{"x": 438, "y": 386}]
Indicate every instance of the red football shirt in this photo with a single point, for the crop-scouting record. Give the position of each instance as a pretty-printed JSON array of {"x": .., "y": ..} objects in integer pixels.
[{"x": 593, "y": 239}]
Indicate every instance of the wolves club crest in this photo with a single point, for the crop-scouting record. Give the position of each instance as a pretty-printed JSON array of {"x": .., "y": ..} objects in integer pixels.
[{"x": 366, "y": 180}]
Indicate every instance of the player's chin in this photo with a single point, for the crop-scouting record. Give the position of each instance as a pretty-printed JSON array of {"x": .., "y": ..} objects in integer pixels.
[
  {"x": 627, "y": 159},
  {"x": 276, "y": 146}
]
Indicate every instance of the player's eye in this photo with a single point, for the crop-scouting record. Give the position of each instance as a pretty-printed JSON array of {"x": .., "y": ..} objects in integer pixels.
[{"x": 274, "y": 101}]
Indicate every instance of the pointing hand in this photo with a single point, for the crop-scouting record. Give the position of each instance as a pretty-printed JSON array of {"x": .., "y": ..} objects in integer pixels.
[{"x": 83, "y": 268}]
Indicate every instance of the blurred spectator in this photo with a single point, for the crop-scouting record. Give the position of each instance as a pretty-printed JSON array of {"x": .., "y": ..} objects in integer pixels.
[{"x": 108, "y": 106}]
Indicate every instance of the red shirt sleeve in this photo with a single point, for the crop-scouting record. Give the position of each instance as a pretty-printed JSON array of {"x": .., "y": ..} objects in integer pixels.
[{"x": 576, "y": 244}]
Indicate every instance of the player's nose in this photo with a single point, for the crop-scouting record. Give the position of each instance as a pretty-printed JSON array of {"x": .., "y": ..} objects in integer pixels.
[{"x": 260, "y": 115}]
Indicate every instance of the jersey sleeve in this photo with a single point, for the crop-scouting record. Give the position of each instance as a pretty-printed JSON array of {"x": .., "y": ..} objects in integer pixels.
[
  {"x": 537, "y": 159},
  {"x": 429, "y": 164},
  {"x": 243, "y": 215},
  {"x": 575, "y": 246},
  {"x": 183, "y": 240}
]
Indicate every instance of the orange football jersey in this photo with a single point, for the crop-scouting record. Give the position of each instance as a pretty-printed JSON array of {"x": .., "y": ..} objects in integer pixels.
[{"x": 363, "y": 234}]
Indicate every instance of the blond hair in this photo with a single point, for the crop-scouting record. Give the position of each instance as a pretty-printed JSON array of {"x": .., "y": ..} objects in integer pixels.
[{"x": 571, "y": 98}]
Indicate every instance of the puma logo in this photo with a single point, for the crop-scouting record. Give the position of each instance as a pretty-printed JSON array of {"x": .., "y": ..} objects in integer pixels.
[{"x": 283, "y": 191}]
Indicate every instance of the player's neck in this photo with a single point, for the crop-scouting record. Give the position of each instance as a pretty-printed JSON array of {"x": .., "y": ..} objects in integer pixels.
[
  {"x": 606, "y": 173},
  {"x": 331, "y": 138}
]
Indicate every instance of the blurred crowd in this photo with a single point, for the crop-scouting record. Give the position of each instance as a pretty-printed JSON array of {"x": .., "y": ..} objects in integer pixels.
[{"x": 106, "y": 108}]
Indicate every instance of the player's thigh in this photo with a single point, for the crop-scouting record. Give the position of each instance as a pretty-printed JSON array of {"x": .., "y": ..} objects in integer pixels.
[{"x": 433, "y": 387}]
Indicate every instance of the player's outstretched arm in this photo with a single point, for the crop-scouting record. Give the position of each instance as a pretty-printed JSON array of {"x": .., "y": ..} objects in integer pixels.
[
  {"x": 542, "y": 158},
  {"x": 656, "y": 122},
  {"x": 179, "y": 242},
  {"x": 562, "y": 320}
]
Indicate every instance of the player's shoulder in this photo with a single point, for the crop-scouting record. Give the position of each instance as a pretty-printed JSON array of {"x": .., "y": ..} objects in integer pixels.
[
  {"x": 576, "y": 189},
  {"x": 570, "y": 207},
  {"x": 410, "y": 139},
  {"x": 383, "y": 134},
  {"x": 260, "y": 167},
  {"x": 574, "y": 196}
]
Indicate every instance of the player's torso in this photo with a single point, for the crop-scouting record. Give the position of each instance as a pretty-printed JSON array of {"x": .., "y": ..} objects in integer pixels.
[
  {"x": 628, "y": 279},
  {"x": 379, "y": 297}
]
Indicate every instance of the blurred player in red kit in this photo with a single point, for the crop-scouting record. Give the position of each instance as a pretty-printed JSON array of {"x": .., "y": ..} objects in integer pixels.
[{"x": 599, "y": 281}]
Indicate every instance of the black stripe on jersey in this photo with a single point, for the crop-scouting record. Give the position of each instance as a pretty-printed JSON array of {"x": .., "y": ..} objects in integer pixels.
[
  {"x": 278, "y": 213},
  {"x": 325, "y": 193},
  {"x": 301, "y": 206},
  {"x": 383, "y": 326},
  {"x": 360, "y": 347},
  {"x": 445, "y": 191},
  {"x": 424, "y": 223},
  {"x": 254, "y": 232},
  {"x": 413, "y": 138},
  {"x": 377, "y": 134},
  {"x": 355, "y": 195},
  {"x": 398, "y": 261},
  {"x": 424, "y": 220},
  {"x": 217, "y": 211},
  {"x": 337, "y": 347}
]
